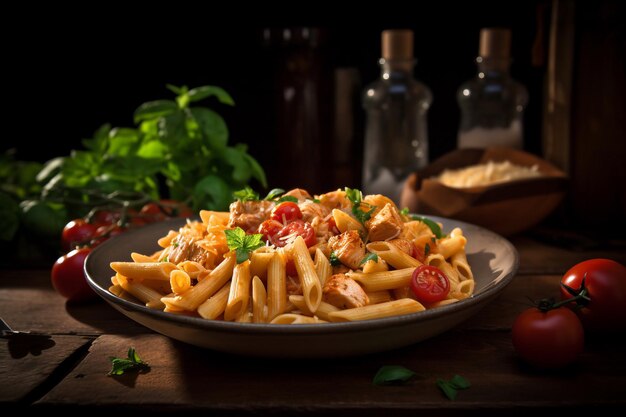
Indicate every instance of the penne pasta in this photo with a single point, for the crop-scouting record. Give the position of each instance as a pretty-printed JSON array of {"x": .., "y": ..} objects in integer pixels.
[
  {"x": 179, "y": 281},
  {"x": 144, "y": 270},
  {"x": 387, "y": 280},
  {"x": 259, "y": 262},
  {"x": 215, "y": 305},
  {"x": 392, "y": 255},
  {"x": 259, "y": 297},
  {"x": 239, "y": 292},
  {"x": 376, "y": 311},
  {"x": 296, "y": 319},
  {"x": 276, "y": 287},
  {"x": 311, "y": 286},
  {"x": 322, "y": 310},
  {"x": 322, "y": 266}
]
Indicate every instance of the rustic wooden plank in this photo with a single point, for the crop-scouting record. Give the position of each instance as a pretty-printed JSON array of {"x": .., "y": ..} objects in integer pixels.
[
  {"x": 27, "y": 361},
  {"x": 28, "y": 302},
  {"x": 537, "y": 257},
  {"x": 186, "y": 377}
]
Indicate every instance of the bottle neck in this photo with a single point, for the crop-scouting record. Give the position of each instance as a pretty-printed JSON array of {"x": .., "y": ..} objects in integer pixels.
[
  {"x": 396, "y": 68},
  {"x": 493, "y": 67}
]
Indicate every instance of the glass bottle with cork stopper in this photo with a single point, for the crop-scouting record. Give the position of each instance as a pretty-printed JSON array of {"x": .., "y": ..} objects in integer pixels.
[
  {"x": 492, "y": 103},
  {"x": 396, "y": 134}
]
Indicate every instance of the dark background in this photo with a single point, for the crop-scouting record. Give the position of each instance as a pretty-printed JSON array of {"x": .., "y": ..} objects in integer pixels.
[
  {"x": 67, "y": 71},
  {"x": 66, "y": 76}
]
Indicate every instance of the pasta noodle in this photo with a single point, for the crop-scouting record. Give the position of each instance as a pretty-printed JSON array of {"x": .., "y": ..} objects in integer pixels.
[{"x": 322, "y": 266}]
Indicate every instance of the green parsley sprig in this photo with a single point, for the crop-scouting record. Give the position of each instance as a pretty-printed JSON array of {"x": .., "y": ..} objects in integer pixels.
[
  {"x": 392, "y": 374},
  {"x": 356, "y": 198},
  {"x": 242, "y": 243},
  {"x": 132, "y": 363}
]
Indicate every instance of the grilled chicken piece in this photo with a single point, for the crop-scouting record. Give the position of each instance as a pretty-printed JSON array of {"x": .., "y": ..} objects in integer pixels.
[
  {"x": 184, "y": 248},
  {"x": 249, "y": 214},
  {"x": 385, "y": 225},
  {"x": 335, "y": 200},
  {"x": 344, "y": 292},
  {"x": 405, "y": 246},
  {"x": 300, "y": 193},
  {"x": 348, "y": 248},
  {"x": 311, "y": 210}
]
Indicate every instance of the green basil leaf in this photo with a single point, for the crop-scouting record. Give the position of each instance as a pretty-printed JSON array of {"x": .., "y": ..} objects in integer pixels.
[
  {"x": 369, "y": 257},
  {"x": 241, "y": 169},
  {"x": 212, "y": 193},
  {"x": 242, "y": 243},
  {"x": 334, "y": 261},
  {"x": 274, "y": 192},
  {"x": 434, "y": 227},
  {"x": 459, "y": 382},
  {"x": 405, "y": 211},
  {"x": 246, "y": 194},
  {"x": 289, "y": 198},
  {"x": 176, "y": 90},
  {"x": 172, "y": 130},
  {"x": 153, "y": 149},
  {"x": 154, "y": 109},
  {"x": 447, "y": 389},
  {"x": 123, "y": 142},
  {"x": 200, "y": 93},
  {"x": 212, "y": 126},
  {"x": 392, "y": 374},
  {"x": 133, "y": 362}
]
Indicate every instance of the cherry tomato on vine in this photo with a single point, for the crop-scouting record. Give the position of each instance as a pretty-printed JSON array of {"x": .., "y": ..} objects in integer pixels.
[
  {"x": 68, "y": 277},
  {"x": 175, "y": 208},
  {"x": 151, "y": 213},
  {"x": 76, "y": 232},
  {"x": 548, "y": 339},
  {"x": 105, "y": 217},
  {"x": 286, "y": 212},
  {"x": 429, "y": 284},
  {"x": 295, "y": 228},
  {"x": 604, "y": 309}
]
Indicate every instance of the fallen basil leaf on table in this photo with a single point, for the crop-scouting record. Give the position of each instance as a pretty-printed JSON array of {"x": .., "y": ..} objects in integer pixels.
[
  {"x": 450, "y": 388},
  {"x": 133, "y": 362},
  {"x": 392, "y": 374}
]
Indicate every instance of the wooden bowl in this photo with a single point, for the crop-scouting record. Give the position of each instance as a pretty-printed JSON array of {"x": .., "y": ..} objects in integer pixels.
[{"x": 506, "y": 208}]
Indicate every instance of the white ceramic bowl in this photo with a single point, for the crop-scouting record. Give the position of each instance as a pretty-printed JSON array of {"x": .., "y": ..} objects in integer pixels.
[{"x": 493, "y": 259}]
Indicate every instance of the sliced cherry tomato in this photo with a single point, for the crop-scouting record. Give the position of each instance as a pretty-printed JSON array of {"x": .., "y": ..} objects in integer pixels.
[
  {"x": 77, "y": 232},
  {"x": 548, "y": 339},
  {"x": 604, "y": 309},
  {"x": 68, "y": 277},
  {"x": 429, "y": 284},
  {"x": 269, "y": 228},
  {"x": 292, "y": 230},
  {"x": 286, "y": 212}
]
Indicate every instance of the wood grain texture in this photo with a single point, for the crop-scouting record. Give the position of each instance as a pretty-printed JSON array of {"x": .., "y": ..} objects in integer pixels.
[
  {"x": 28, "y": 302},
  {"x": 27, "y": 361}
]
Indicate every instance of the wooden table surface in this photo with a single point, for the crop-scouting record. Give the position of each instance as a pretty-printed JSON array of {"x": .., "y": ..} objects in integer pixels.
[{"x": 68, "y": 369}]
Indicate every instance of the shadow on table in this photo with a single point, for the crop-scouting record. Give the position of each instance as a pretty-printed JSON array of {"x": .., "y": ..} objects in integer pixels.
[
  {"x": 104, "y": 318},
  {"x": 21, "y": 344}
]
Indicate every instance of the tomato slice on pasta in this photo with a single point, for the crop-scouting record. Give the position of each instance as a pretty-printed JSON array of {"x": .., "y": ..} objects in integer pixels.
[{"x": 429, "y": 284}]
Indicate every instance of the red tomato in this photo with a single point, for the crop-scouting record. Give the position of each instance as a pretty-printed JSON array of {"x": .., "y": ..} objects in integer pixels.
[
  {"x": 151, "y": 213},
  {"x": 295, "y": 228},
  {"x": 105, "y": 217},
  {"x": 175, "y": 208},
  {"x": 269, "y": 228},
  {"x": 77, "y": 232},
  {"x": 429, "y": 284},
  {"x": 105, "y": 232},
  {"x": 68, "y": 277},
  {"x": 286, "y": 212},
  {"x": 605, "y": 282},
  {"x": 550, "y": 339}
]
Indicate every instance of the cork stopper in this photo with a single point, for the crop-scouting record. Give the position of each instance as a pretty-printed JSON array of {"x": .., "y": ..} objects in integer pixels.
[
  {"x": 397, "y": 44},
  {"x": 495, "y": 43}
]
